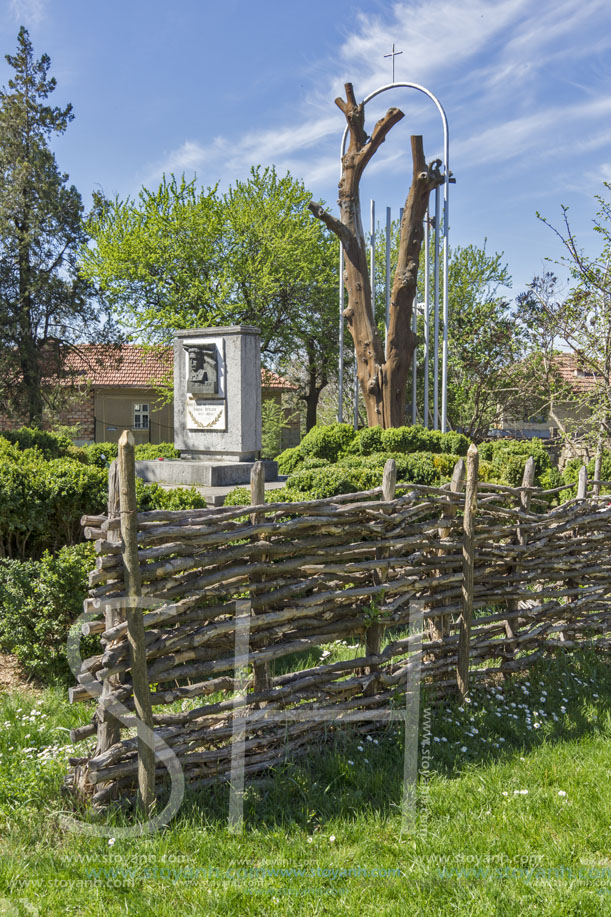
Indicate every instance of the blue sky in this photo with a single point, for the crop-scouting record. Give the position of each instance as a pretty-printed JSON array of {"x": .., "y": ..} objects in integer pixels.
[{"x": 213, "y": 86}]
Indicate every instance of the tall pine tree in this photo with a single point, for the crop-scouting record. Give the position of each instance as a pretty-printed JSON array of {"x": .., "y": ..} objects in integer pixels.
[{"x": 43, "y": 301}]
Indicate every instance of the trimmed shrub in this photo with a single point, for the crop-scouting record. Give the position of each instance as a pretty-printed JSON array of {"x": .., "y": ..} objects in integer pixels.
[
  {"x": 410, "y": 439},
  {"x": 548, "y": 480},
  {"x": 367, "y": 441},
  {"x": 153, "y": 496},
  {"x": 455, "y": 443},
  {"x": 290, "y": 459},
  {"x": 39, "y": 600},
  {"x": 501, "y": 453},
  {"x": 149, "y": 451},
  {"x": 419, "y": 439},
  {"x": 41, "y": 502},
  {"x": 240, "y": 496},
  {"x": 323, "y": 482},
  {"x": 570, "y": 475},
  {"x": 487, "y": 472},
  {"x": 444, "y": 465},
  {"x": 354, "y": 473},
  {"x": 50, "y": 445},
  {"x": 102, "y": 454},
  {"x": 328, "y": 442},
  {"x": 418, "y": 468}
]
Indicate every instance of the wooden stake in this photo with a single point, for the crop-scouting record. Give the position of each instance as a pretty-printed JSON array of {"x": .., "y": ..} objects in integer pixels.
[
  {"x": 440, "y": 627},
  {"x": 528, "y": 480},
  {"x": 373, "y": 636},
  {"x": 468, "y": 566},
  {"x": 135, "y": 626},
  {"x": 257, "y": 498}
]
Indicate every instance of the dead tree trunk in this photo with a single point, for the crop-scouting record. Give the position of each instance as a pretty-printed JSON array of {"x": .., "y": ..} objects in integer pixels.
[{"x": 382, "y": 376}]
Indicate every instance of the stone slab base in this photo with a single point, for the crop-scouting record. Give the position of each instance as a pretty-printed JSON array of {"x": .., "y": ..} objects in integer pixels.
[{"x": 199, "y": 473}]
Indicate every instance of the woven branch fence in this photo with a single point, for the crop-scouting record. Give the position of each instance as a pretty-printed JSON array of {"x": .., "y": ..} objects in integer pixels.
[{"x": 501, "y": 577}]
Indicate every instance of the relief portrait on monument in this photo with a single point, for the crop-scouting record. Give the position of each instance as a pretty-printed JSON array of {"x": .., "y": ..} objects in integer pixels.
[{"x": 203, "y": 375}]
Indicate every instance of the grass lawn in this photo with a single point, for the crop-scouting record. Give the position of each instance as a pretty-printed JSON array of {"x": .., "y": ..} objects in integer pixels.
[{"x": 514, "y": 817}]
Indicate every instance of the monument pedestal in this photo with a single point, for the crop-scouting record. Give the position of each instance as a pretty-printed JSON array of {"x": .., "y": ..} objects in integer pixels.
[
  {"x": 198, "y": 473},
  {"x": 217, "y": 413},
  {"x": 217, "y": 393}
]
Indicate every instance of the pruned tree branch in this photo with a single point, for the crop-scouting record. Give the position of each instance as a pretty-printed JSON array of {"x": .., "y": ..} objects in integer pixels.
[
  {"x": 392, "y": 117},
  {"x": 332, "y": 223}
]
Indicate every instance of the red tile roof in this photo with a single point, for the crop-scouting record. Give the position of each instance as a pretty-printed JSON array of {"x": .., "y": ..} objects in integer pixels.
[
  {"x": 133, "y": 365},
  {"x": 576, "y": 374}
]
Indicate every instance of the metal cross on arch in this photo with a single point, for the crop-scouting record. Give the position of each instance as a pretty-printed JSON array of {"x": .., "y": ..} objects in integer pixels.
[{"x": 446, "y": 212}]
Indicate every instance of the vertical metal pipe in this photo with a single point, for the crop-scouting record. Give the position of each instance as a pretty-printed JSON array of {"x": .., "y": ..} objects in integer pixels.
[
  {"x": 444, "y": 359},
  {"x": 436, "y": 317},
  {"x": 415, "y": 362},
  {"x": 372, "y": 256},
  {"x": 340, "y": 407},
  {"x": 426, "y": 318},
  {"x": 355, "y": 419},
  {"x": 387, "y": 288}
]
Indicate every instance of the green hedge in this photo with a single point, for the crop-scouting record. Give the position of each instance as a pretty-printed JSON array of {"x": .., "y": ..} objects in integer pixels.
[
  {"x": 102, "y": 454},
  {"x": 58, "y": 445},
  {"x": 240, "y": 496},
  {"x": 331, "y": 443},
  {"x": 513, "y": 453},
  {"x": 363, "y": 472},
  {"x": 327, "y": 442},
  {"x": 153, "y": 496},
  {"x": 571, "y": 474},
  {"x": 41, "y": 502},
  {"x": 51, "y": 445},
  {"x": 39, "y": 600}
]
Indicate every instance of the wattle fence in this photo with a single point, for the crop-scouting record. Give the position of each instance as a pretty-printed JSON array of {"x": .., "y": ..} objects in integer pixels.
[{"x": 497, "y": 575}]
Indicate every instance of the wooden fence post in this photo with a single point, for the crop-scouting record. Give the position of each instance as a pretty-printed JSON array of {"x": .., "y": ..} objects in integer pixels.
[
  {"x": 468, "y": 552},
  {"x": 135, "y": 624},
  {"x": 109, "y": 730},
  {"x": 528, "y": 480},
  {"x": 262, "y": 678},
  {"x": 440, "y": 627},
  {"x": 572, "y": 583},
  {"x": 375, "y": 631}
]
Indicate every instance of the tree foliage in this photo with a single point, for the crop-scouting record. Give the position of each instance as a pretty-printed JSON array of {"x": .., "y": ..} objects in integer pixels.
[
  {"x": 578, "y": 323},
  {"x": 485, "y": 343},
  {"x": 42, "y": 296},
  {"x": 182, "y": 257}
]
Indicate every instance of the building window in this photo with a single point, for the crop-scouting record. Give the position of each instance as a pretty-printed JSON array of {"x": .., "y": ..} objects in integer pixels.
[{"x": 141, "y": 416}]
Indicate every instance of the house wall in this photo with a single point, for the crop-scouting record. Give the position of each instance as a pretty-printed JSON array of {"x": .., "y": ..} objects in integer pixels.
[
  {"x": 114, "y": 412},
  {"x": 66, "y": 408},
  {"x": 103, "y": 414}
]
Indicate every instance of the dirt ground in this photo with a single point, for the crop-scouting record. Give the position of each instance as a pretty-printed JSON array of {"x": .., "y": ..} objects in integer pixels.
[{"x": 12, "y": 675}]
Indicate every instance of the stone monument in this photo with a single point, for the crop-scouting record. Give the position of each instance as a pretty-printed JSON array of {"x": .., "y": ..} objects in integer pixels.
[
  {"x": 217, "y": 393},
  {"x": 217, "y": 409}
]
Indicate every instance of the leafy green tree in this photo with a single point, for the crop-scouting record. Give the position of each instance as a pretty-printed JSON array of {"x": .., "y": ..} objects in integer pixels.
[
  {"x": 158, "y": 261},
  {"x": 578, "y": 323},
  {"x": 283, "y": 270},
  {"x": 42, "y": 297},
  {"x": 485, "y": 344},
  {"x": 180, "y": 257}
]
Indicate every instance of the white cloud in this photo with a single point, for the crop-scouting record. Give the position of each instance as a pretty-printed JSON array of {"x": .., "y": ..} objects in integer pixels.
[
  {"x": 28, "y": 12},
  {"x": 190, "y": 156},
  {"x": 489, "y": 64}
]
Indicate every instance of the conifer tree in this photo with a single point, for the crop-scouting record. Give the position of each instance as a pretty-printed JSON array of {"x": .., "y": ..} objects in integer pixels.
[{"x": 42, "y": 299}]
